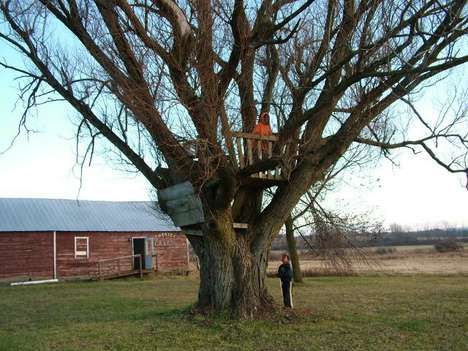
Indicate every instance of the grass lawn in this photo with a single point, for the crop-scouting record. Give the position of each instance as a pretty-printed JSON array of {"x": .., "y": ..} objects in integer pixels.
[{"x": 345, "y": 313}]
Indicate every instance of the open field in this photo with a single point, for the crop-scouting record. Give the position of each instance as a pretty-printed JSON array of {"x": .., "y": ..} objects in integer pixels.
[
  {"x": 347, "y": 313},
  {"x": 421, "y": 259}
]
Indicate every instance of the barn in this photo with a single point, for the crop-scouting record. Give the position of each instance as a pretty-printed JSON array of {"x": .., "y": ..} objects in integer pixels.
[{"x": 69, "y": 239}]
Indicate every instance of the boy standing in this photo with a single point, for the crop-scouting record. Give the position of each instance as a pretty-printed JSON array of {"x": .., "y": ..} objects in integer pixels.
[{"x": 285, "y": 273}]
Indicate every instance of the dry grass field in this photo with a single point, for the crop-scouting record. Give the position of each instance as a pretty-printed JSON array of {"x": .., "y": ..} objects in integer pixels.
[
  {"x": 410, "y": 298},
  {"x": 404, "y": 260},
  {"x": 396, "y": 313}
]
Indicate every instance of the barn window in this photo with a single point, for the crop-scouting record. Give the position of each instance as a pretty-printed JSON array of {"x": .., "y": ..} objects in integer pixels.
[{"x": 81, "y": 247}]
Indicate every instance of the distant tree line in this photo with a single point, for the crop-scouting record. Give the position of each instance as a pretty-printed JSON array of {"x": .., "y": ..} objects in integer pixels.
[{"x": 419, "y": 237}]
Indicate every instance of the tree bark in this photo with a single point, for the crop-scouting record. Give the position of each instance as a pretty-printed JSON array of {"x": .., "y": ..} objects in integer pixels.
[
  {"x": 292, "y": 248},
  {"x": 232, "y": 278}
]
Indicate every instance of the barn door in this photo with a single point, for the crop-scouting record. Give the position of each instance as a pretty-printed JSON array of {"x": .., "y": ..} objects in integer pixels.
[
  {"x": 139, "y": 249},
  {"x": 149, "y": 245}
]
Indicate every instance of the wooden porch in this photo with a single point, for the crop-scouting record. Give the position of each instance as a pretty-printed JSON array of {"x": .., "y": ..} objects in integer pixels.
[{"x": 119, "y": 267}]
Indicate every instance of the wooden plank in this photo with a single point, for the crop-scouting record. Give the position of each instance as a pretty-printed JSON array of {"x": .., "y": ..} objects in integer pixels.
[
  {"x": 255, "y": 136},
  {"x": 269, "y": 172},
  {"x": 270, "y": 149},
  {"x": 191, "y": 146},
  {"x": 286, "y": 150},
  {"x": 249, "y": 152},
  {"x": 260, "y": 155},
  {"x": 240, "y": 152},
  {"x": 277, "y": 174},
  {"x": 240, "y": 225},
  {"x": 195, "y": 232},
  {"x": 140, "y": 266}
]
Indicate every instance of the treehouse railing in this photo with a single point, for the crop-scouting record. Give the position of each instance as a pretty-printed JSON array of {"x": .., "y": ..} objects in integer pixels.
[
  {"x": 247, "y": 149},
  {"x": 251, "y": 148}
]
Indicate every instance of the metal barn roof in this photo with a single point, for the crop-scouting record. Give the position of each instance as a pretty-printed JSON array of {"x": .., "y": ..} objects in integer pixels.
[{"x": 33, "y": 215}]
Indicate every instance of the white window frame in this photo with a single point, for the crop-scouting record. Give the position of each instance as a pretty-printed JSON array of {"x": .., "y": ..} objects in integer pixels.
[{"x": 80, "y": 254}]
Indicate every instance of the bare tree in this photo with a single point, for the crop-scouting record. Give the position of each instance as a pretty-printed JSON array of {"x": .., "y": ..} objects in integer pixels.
[
  {"x": 292, "y": 249},
  {"x": 396, "y": 228},
  {"x": 338, "y": 238},
  {"x": 150, "y": 76},
  {"x": 331, "y": 228}
]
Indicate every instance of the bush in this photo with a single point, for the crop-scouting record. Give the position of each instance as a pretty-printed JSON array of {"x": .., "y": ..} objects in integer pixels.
[
  {"x": 385, "y": 250},
  {"x": 448, "y": 246}
]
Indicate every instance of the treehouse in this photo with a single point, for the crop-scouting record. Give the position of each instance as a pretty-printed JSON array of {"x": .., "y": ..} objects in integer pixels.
[
  {"x": 260, "y": 159},
  {"x": 252, "y": 149},
  {"x": 259, "y": 156}
]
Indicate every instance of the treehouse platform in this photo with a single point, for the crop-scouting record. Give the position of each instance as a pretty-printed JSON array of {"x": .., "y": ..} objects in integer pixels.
[
  {"x": 261, "y": 158},
  {"x": 254, "y": 150}
]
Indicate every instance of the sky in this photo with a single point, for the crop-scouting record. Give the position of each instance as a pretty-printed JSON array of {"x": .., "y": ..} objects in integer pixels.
[{"x": 417, "y": 194}]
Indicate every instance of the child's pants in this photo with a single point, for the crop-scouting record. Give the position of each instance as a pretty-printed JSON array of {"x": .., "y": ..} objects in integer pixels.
[{"x": 286, "y": 287}]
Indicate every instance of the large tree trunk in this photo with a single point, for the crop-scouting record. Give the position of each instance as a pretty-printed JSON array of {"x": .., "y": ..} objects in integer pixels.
[
  {"x": 231, "y": 276},
  {"x": 292, "y": 248},
  {"x": 233, "y": 263}
]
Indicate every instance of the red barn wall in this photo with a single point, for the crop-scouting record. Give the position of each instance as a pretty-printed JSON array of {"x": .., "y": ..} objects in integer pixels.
[
  {"x": 23, "y": 254},
  {"x": 101, "y": 246},
  {"x": 171, "y": 251}
]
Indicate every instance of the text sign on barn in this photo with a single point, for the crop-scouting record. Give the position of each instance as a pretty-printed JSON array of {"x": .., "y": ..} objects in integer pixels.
[{"x": 181, "y": 204}]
